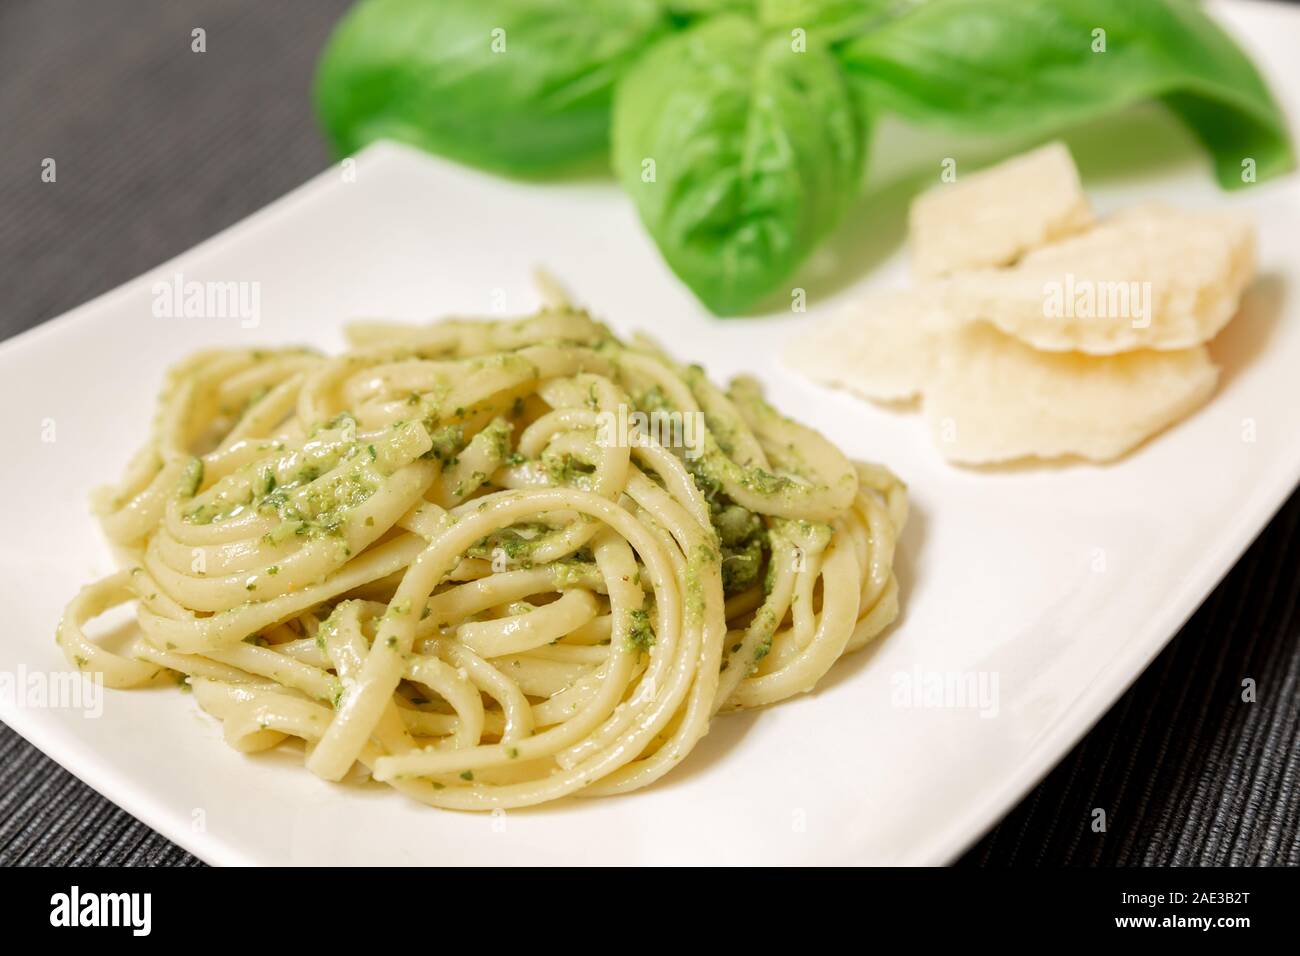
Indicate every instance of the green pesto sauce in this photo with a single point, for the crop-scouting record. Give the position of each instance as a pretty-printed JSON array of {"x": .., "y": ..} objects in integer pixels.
[
  {"x": 497, "y": 437},
  {"x": 742, "y": 534},
  {"x": 517, "y": 541},
  {"x": 191, "y": 478},
  {"x": 305, "y": 506},
  {"x": 652, "y": 399},
  {"x": 640, "y": 635},
  {"x": 323, "y": 510},
  {"x": 566, "y": 470},
  {"x": 700, "y": 554},
  {"x": 571, "y": 574},
  {"x": 447, "y": 444},
  {"x": 765, "y": 622}
]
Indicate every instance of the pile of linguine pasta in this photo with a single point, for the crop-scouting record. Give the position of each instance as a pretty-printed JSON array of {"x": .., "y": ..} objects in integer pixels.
[{"x": 425, "y": 560}]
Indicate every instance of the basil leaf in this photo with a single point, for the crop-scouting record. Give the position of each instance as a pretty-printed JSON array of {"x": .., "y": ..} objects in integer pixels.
[
  {"x": 518, "y": 86},
  {"x": 697, "y": 8},
  {"x": 739, "y": 154},
  {"x": 828, "y": 21},
  {"x": 1033, "y": 66}
]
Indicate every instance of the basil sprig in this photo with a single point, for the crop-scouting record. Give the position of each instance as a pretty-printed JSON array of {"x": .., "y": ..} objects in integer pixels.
[{"x": 739, "y": 127}]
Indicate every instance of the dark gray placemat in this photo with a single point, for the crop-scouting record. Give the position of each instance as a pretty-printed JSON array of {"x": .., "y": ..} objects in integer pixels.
[{"x": 159, "y": 147}]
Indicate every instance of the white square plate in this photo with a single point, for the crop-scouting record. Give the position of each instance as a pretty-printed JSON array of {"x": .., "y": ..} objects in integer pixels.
[{"x": 1060, "y": 583}]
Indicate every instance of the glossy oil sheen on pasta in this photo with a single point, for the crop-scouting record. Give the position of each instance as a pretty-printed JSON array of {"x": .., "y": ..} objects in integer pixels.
[{"x": 427, "y": 560}]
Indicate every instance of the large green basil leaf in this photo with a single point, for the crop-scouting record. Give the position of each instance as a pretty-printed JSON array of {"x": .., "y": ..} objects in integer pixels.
[
  {"x": 1032, "y": 66},
  {"x": 828, "y": 21},
  {"x": 707, "y": 8},
  {"x": 518, "y": 86},
  {"x": 739, "y": 152}
]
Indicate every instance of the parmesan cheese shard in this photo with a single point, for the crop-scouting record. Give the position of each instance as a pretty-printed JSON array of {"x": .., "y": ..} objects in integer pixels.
[
  {"x": 1034, "y": 331},
  {"x": 995, "y": 399},
  {"x": 883, "y": 347},
  {"x": 1151, "y": 277},
  {"x": 995, "y": 216}
]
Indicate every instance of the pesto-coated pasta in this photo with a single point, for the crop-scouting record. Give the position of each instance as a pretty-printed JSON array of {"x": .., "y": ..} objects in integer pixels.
[{"x": 435, "y": 558}]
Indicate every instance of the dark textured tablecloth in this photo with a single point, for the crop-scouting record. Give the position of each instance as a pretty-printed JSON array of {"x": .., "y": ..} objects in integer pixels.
[{"x": 159, "y": 147}]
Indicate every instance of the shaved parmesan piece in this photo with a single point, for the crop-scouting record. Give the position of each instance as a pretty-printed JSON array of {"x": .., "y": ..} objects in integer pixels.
[
  {"x": 995, "y": 399},
  {"x": 993, "y": 217},
  {"x": 883, "y": 347},
  {"x": 1152, "y": 277}
]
